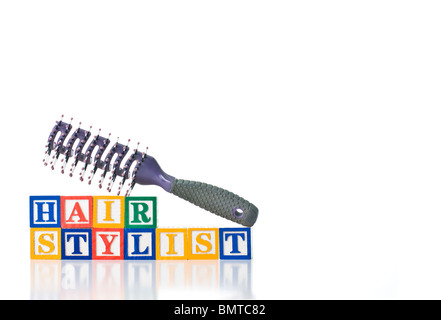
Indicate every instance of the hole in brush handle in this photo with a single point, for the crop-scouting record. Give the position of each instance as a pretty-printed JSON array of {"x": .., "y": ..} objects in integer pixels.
[{"x": 216, "y": 200}]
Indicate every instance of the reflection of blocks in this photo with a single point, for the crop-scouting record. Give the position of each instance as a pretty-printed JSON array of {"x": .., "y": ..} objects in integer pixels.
[
  {"x": 108, "y": 212},
  {"x": 140, "y": 212},
  {"x": 76, "y": 244},
  {"x": 44, "y": 211},
  {"x": 171, "y": 244},
  {"x": 108, "y": 280},
  {"x": 139, "y": 244},
  {"x": 203, "y": 243},
  {"x": 45, "y": 243},
  {"x": 235, "y": 243},
  {"x": 76, "y": 212},
  {"x": 108, "y": 244}
]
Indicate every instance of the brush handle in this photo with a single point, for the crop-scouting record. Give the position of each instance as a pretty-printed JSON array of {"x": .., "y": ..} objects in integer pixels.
[{"x": 216, "y": 200}]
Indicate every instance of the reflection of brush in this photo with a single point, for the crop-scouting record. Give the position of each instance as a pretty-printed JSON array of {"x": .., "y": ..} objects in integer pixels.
[{"x": 138, "y": 168}]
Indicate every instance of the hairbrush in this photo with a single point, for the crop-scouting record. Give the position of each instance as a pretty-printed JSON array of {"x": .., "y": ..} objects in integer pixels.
[{"x": 138, "y": 168}]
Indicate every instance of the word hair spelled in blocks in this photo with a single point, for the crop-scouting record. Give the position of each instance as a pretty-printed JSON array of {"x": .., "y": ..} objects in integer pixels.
[{"x": 118, "y": 228}]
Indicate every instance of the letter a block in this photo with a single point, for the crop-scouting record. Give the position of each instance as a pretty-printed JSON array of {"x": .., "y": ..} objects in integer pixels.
[
  {"x": 203, "y": 243},
  {"x": 76, "y": 212},
  {"x": 139, "y": 244},
  {"x": 140, "y": 212},
  {"x": 45, "y": 243},
  {"x": 171, "y": 244},
  {"x": 108, "y": 244},
  {"x": 108, "y": 212},
  {"x": 76, "y": 244},
  {"x": 235, "y": 243},
  {"x": 44, "y": 211}
]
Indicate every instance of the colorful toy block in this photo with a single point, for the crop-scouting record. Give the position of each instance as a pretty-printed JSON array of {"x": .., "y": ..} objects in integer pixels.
[
  {"x": 235, "y": 243},
  {"x": 139, "y": 244},
  {"x": 46, "y": 243},
  {"x": 76, "y": 244},
  {"x": 203, "y": 243},
  {"x": 140, "y": 212},
  {"x": 171, "y": 244},
  {"x": 118, "y": 228},
  {"x": 108, "y": 244},
  {"x": 76, "y": 212},
  {"x": 108, "y": 212},
  {"x": 44, "y": 211}
]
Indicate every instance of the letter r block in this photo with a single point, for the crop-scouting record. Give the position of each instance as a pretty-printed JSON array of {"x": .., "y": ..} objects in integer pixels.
[
  {"x": 76, "y": 212},
  {"x": 140, "y": 212},
  {"x": 235, "y": 243},
  {"x": 44, "y": 211}
]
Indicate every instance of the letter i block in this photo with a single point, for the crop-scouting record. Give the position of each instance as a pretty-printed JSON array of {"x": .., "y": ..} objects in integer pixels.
[
  {"x": 108, "y": 212},
  {"x": 108, "y": 244},
  {"x": 139, "y": 244},
  {"x": 171, "y": 244},
  {"x": 46, "y": 243},
  {"x": 203, "y": 243},
  {"x": 235, "y": 243},
  {"x": 140, "y": 212},
  {"x": 44, "y": 211},
  {"x": 76, "y": 244},
  {"x": 76, "y": 212}
]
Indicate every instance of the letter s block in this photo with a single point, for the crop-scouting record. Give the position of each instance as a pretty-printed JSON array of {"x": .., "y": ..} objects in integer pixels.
[
  {"x": 203, "y": 243},
  {"x": 46, "y": 243},
  {"x": 235, "y": 243}
]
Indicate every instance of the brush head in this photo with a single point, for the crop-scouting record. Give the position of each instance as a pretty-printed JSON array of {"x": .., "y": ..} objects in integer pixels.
[{"x": 116, "y": 162}]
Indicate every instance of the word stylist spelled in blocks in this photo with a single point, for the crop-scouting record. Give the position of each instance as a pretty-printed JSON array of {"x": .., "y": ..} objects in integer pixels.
[{"x": 123, "y": 228}]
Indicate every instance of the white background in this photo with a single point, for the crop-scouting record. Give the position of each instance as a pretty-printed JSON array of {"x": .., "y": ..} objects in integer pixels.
[{"x": 325, "y": 114}]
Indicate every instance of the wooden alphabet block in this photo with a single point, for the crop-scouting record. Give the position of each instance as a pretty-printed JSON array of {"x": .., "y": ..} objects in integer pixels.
[
  {"x": 118, "y": 228},
  {"x": 171, "y": 244},
  {"x": 140, "y": 212},
  {"x": 203, "y": 243},
  {"x": 46, "y": 243},
  {"x": 44, "y": 211},
  {"x": 76, "y": 244},
  {"x": 108, "y": 212},
  {"x": 235, "y": 243},
  {"x": 108, "y": 244},
  {"x": 139, "y": 244},
  {"x": 76, "y": 212}
]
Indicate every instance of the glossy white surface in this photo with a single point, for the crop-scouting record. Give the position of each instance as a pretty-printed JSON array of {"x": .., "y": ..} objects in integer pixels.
[{"x": 324, "y": 114}]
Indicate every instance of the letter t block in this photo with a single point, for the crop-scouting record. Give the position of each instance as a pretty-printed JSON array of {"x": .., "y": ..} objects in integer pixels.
[{"x": 235, "y": 243}]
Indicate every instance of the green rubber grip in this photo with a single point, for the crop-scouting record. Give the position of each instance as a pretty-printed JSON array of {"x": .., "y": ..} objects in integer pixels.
[{"x": 216, "y": 200}]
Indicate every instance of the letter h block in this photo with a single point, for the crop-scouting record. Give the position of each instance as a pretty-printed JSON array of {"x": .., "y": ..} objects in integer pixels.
[{"x": 44, "y": 211}]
